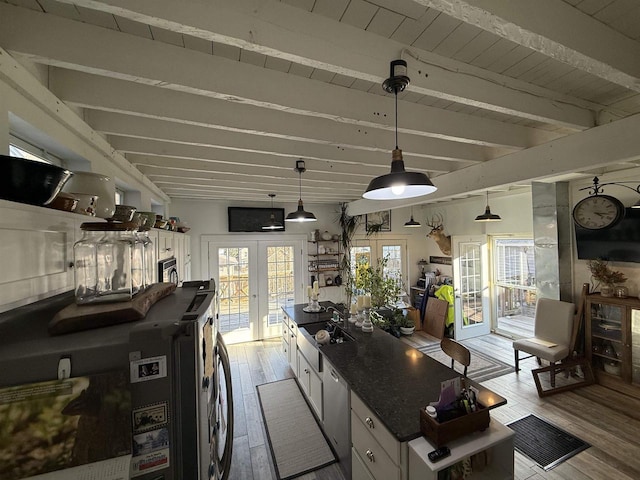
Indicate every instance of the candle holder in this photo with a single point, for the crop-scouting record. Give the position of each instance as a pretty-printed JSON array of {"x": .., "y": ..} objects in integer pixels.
[
  {"x": 367, "y": 326},
  {"x": 313, "y": 306},
  {"x": 359, "y": 318}
]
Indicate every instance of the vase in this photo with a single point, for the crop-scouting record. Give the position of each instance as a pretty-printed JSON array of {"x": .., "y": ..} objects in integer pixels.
[
  {"x": 607, "y": 290},
  {"x": 326, "y": 236}
]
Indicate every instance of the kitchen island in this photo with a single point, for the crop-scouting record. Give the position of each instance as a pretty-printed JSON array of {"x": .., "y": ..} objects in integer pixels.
[{"x": 389, "y": 381}]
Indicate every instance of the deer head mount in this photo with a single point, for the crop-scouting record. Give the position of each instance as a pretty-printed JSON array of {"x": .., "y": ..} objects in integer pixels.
[{"x": 443, "y": 241}]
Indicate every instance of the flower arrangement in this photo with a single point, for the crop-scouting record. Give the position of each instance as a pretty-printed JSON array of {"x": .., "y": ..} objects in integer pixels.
[{"x": 603, "y": 274}]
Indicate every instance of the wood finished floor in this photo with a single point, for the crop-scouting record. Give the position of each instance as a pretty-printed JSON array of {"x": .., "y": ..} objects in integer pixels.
[{"x": 609, "y": 421}]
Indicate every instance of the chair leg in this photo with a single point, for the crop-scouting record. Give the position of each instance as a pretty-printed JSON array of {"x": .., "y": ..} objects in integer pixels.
[
  {"x": 539, "y": 361},
  {"x": 517, "y": 360},
  {"x": 552, "y": 374}
]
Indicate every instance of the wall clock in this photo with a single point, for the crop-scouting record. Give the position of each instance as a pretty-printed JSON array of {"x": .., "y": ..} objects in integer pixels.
[{"x": 598, "y": 211}]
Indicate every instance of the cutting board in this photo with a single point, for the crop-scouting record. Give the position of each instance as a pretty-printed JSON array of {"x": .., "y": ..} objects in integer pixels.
[{"x": 75, "y": 318}]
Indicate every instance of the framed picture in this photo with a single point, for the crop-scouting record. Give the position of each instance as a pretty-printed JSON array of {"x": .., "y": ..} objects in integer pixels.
[{"x": 378, "y": 221}]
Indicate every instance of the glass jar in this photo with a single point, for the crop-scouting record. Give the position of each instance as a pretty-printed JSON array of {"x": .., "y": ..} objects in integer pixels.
[
  {"x": 148, "y": 258},
  {"x": 85, "y": 261},
  {"x": 137, "y": 261},
  {"x": 621, "y": 291},
  {"x": 115, "y": 252}
]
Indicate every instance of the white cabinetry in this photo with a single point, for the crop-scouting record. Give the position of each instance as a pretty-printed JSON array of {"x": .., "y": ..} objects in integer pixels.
[
  {"x": 374, "y": 447},
  {"x": 165, "y": 245},
  {"x": 497, "y": 440},
  {"x": 36, "y": 247},
  {"x": 311, "y": 384},
  {"x": 289, "y": 343}
]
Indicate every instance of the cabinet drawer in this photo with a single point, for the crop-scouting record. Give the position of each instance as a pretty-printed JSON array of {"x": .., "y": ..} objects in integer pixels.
[
  {"x": 368, "y": 419},
  {"x": 358, "y": 470},
  {"x": 371, "y": 453}
]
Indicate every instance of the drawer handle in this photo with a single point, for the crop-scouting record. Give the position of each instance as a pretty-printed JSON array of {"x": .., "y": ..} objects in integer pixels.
[
  {"x": 370, "y": 456},
  {"x": 369, "y": 422}
]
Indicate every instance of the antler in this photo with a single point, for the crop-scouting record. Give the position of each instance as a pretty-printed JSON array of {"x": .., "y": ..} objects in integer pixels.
[{"x": 436, "y": 221}]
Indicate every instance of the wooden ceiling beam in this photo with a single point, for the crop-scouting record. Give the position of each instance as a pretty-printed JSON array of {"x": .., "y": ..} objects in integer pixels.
[{"x": 279, "y": 30}]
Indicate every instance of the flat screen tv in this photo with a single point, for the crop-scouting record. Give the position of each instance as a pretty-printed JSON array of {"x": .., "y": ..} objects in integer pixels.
[
  {"x": 620, "y": 243},
  {"x": 251, "y": 219}
]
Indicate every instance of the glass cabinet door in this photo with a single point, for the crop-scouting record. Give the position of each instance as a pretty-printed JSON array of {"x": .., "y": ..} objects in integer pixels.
[
  {"x": 607, "y": 347},
  {"x": 635, "y": 346}
]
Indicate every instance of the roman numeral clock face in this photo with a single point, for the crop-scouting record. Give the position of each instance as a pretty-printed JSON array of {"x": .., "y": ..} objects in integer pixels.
[{"x": 598, "y": 211}]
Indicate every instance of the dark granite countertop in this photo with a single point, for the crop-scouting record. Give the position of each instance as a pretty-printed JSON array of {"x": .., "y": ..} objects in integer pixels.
[{"x": 393, "y": 379}]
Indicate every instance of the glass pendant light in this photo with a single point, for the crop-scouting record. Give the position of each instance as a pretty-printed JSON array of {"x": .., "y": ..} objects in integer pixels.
[
  {"x": 273, "y": 224},
  {"x": 487, "y": 216},
  {"x": 300, "y": 215},
  {"x": 398, "y": 183},
  {"x": 412, "y": 223}
]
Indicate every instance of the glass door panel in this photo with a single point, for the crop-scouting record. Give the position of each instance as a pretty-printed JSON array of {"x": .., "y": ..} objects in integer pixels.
[
  {"x": 607, "y": 337},
  {"x": 279, "y": 287},
  {"x": 471, "y": 287},
  {"x": 635, "y": 346},
  {"x": 236, "y": 293}
]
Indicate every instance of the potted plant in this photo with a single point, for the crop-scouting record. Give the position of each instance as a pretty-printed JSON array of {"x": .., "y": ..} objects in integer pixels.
[
  {"x": 403, "y": 322},
  {"x": 371, "y": 280},
  {"x": 601, "y": 273}
]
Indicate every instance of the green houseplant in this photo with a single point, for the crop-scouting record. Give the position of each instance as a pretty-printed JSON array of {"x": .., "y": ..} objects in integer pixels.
[{"x": 371, "y": 280}]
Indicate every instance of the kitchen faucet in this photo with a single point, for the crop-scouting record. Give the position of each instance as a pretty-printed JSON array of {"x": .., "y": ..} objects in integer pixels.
[{"x": 340, "y": 315}]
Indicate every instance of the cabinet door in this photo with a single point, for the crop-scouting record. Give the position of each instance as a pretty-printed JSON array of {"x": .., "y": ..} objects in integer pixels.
[
  {"x": 303, "y": 373},
  {"x": 36, "y": 245},
  {"x": 608, "y": 339},
  {"x": 293, "y": 351},
  {"x": 635, "y": 345},
  {"x": 165, "y": 245},
  {"x": 315, "y": 392}
]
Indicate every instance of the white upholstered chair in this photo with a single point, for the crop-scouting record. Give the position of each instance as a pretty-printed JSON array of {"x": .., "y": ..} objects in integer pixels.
[{"x": 552, "y": 333}]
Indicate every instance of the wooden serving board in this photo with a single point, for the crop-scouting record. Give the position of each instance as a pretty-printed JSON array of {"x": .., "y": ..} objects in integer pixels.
[{"x": 75, "y": 318}]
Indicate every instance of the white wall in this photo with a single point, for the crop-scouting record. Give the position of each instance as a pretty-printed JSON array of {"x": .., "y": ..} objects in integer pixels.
[{"x": 210, "y": 217}]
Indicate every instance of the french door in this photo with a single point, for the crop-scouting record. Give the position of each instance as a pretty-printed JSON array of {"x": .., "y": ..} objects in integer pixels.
[
  {"x": 255, "y": 279},
  {"x": 374, "y": 250},
  {"x": 471, "y": 286}
]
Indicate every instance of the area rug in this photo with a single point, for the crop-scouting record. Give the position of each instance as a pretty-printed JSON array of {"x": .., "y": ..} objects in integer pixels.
[
  {"x": 545, "y": 444},
  {"x": 482, "y": 367},
  {"x": 297, "y": 443}
]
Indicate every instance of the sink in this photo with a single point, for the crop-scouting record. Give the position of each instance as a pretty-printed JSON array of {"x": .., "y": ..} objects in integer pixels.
[{"x": 337, "y": 333}]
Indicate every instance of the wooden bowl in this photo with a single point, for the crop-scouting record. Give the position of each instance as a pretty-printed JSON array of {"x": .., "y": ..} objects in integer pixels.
[{"x": 64, "y": 201}]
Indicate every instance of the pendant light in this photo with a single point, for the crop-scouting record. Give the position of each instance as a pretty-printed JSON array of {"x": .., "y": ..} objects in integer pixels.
[
  {"x": 300, "y": 215},
  {"x": 273, "y": 224},
  {"x": 398, "y": 183},
  {"x": 487, "y": 216},
  {"x": 412, "y": 223}
]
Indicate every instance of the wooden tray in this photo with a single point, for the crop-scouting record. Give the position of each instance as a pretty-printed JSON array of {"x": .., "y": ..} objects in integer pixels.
[
  {"x": 442, "y": 433},
  {"x": 75, "y": 318}
]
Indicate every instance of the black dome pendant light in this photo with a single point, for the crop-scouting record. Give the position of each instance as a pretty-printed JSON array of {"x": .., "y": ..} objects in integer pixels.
[
  {"x": 412, "y": 223},
  {"x": 398, "y": 183},
  {"x": 487, "y": 216},
  {"x": 300, "y": 215},
  {"x": 273, "y": 224}
]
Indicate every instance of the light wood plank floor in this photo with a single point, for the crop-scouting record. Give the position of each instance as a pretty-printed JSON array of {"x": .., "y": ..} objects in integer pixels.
[{"x": 609, "y": 421}]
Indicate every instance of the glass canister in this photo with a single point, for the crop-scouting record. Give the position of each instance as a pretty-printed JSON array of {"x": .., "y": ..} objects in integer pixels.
[
  {"x": 115, "y": 254},
  {"x": 149, "y": 257},
  {"x": 85, "y": 261},
  {"x": 137, "y": 260}
]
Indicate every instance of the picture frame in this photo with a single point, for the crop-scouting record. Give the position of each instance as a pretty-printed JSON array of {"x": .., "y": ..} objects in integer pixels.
[{"x": 378, "y": 221}]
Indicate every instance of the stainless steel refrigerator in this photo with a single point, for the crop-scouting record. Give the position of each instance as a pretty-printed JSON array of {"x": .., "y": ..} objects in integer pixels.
[{"x": 156, "y": 392}]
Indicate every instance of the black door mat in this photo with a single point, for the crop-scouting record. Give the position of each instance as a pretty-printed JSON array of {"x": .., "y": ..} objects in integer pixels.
[{"x": 544, "y": 443}]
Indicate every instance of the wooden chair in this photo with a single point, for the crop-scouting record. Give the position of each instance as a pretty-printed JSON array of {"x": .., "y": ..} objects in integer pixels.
[
  {"x": 457, "y": 352},
  {"x": 553, "y": 327}
]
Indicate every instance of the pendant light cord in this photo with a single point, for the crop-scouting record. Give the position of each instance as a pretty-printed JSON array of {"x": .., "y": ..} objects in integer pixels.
[
  {"x": 300, "y": 183},
  {"x": 395, "y": 92}
]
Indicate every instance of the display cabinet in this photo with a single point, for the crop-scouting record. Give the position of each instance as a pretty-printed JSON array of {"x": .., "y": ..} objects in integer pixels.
[{"x": 613, "y": 341}]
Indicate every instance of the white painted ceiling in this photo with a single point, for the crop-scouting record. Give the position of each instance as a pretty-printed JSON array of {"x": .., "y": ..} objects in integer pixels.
[{"x": 218, "y": 99}]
